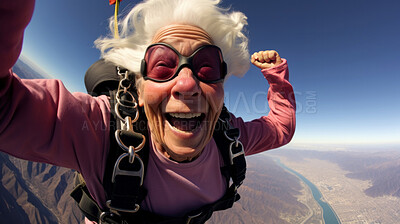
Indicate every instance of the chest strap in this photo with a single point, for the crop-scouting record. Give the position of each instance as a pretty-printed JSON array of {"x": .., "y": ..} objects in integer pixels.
[{"x": 197, "y": 216}]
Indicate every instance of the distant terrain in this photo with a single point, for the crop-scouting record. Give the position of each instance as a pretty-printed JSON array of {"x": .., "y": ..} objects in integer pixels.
[
  {"x": 381, "y": 168},
  {"x": 360, "y": 186},
  {"x": 26, "y": 71},
  {"x": 269, "y": 195},
  {"x": 39, "y": 193}
]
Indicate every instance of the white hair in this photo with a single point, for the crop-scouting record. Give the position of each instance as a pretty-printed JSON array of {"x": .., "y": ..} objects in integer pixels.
[{"x": 141, "y": 24}]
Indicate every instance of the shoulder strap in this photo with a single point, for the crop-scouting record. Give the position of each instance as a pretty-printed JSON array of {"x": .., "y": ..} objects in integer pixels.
[
  {"x": 227, "y": 139},
  {"x": 130, "y": 153},
  {"x": 127, "y": 157}
]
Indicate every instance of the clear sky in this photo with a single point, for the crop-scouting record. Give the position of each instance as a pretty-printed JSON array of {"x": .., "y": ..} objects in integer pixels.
[{"x": 344, "y": 60}]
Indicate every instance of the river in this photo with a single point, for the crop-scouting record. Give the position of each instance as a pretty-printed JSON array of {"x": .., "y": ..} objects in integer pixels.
[{"x": 329, "y": 214}]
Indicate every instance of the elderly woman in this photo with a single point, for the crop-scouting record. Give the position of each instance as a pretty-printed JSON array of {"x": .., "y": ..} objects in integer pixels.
[{"x": 181, "y": 51}]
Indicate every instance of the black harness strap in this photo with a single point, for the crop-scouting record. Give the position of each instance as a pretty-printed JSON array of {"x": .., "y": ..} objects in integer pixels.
[
  {"x": 197, "y": 216},
  {"x": 130, "y": 151},
  {"x": 85, "y": 202},
  {"x": 227, "y": 139},
  {"x": 90, "y": 209}
]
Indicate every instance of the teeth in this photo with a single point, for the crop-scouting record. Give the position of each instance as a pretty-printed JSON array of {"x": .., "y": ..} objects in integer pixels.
[{"x": 185, "y": 115}]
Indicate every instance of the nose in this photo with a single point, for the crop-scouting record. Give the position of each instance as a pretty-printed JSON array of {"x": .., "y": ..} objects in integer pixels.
[{"x": 187, "y": 85}]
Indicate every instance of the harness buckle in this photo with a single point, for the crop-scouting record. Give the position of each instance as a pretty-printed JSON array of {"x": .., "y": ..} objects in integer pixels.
[
  {"x": 117, "y": 171},
  {"x": 235, "y": 150},
  {"x": 123, "y": 172},
  {"x": 115, "y": 210},
  {"x": 236, "y": 146}
]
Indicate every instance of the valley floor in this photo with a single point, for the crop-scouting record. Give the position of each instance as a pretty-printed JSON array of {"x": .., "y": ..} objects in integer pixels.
[
  {"x": 315, "y": 211},
  {"x": 346, "y": 195}
]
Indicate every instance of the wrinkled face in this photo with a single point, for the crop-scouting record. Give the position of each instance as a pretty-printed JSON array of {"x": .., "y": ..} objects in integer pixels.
[{"x": 183, "y": 111}]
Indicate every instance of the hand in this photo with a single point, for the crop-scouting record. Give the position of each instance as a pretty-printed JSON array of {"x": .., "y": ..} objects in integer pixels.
[{"x": 266, "y": 59}]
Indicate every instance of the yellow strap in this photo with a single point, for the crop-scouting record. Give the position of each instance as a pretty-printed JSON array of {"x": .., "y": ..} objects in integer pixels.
[{"x": 116, "y": 32}]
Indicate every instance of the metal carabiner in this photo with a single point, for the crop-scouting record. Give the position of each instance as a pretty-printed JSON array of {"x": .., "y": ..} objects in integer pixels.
[
  {"x": 117, "y": 171},
  {"x": 126, "y": 81},
  {"x": 116, "y": 108},
  {"x": 232, "y": 154},
  {"x": 125, "y": 147},
  {"x": 131, "y": 154},
  {"x": 131, "y": 101}
]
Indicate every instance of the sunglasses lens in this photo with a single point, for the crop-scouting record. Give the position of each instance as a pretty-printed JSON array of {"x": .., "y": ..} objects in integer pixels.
[
  {"x": 207, "y": 64},
  {"x": 162, "y": 62}
]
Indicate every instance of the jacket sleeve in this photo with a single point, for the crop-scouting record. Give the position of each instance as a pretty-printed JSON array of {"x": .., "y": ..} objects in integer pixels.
[
  {"x": 277, "y": 128},
  {"x": 39, "y": 119}
]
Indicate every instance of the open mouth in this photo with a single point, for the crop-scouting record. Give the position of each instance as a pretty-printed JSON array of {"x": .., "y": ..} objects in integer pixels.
[{"x": 187, "y": 122}]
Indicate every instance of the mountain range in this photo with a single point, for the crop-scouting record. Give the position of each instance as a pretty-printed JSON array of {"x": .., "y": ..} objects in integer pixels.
[{"x": 33, "y": 192}]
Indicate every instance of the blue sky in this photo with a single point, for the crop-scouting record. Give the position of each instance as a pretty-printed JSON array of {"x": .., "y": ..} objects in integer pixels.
[{"x": 344, "y": 61}]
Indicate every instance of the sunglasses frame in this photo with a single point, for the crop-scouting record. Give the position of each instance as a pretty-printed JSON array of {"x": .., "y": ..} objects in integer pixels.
[{"x": 184, "y": 62}]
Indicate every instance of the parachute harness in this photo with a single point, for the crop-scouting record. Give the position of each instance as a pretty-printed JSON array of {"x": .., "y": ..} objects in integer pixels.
[
  {"x": 128, "y": 157},
  {"x": 129, "y": 165},
  {"x": 129, "y": 169}
]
